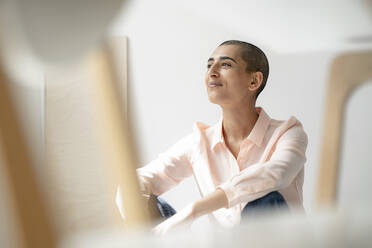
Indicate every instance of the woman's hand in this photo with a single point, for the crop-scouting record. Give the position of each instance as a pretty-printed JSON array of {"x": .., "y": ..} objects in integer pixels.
[{"x": 184, "y": 217}]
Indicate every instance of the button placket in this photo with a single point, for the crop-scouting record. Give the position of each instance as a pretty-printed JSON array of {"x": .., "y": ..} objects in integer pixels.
[
  {"x": 245, "y": 148},
  {"x": 234, "y": 160}
]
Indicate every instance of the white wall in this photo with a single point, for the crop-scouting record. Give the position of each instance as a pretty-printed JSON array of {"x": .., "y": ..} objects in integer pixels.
[{"x": 168, "y": 49}]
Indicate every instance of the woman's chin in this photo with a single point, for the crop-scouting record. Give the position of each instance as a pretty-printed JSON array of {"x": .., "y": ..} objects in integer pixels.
[{"x": 215, "y": 99}]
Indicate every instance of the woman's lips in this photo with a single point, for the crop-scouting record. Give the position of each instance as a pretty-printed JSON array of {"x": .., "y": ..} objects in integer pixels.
[{"x": 214, "y": 84}]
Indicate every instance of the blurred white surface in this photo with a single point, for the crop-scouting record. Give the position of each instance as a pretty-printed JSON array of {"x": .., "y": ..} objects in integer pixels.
[
  {"x": 325, "y": 229},
  {"x": 59, "y": 31}
]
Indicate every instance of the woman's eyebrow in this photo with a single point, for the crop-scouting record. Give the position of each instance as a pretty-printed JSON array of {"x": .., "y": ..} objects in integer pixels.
[
  {"x": 223, "y": 58},
  {"x": 226, "y": 57}
]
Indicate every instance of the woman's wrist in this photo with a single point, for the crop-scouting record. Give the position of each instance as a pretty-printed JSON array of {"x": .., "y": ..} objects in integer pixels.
[
  {"x": 194, "y": 213},
  {"x": 209, "y": 203}
]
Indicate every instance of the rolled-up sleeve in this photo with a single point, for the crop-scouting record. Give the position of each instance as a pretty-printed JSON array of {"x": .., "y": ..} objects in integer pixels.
[
  {"x": 169, "y": 169},
  {"x": 260, "y": 179}
]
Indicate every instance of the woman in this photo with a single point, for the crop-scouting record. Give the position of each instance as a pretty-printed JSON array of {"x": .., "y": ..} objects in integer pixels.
[{"x": 245, "y": 161}]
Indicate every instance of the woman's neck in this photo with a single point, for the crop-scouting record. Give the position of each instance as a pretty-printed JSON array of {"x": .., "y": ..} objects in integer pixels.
[{"x": 238, "y": 122}]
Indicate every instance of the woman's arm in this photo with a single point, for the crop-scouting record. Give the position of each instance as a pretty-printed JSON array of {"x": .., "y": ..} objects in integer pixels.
[
  {"x": 210, "y": 203},
  {"x": 259, "y": 179},
  {"x": 169, "y": 169},
  {"x": 207, "y": 204},
  {"x": 163, "y": 173}
]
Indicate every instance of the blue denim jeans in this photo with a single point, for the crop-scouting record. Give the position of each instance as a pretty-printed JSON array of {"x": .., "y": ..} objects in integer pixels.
[
  {"x": 268, "y": 204},
  {"x": 164, "y": 208},
  {"x": 271, "y": 202}
]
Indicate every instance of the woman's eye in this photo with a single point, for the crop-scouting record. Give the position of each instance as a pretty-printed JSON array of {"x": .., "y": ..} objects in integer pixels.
[
  {"x": 209, "y": 66},
  {"x": 226, "y": 64}
]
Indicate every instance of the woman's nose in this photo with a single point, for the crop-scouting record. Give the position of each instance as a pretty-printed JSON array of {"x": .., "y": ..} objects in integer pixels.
[{"x": 213, "y": 71}]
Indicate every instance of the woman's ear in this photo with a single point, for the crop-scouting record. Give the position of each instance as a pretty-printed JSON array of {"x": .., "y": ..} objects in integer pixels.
[{"x": 256, "y": 80}]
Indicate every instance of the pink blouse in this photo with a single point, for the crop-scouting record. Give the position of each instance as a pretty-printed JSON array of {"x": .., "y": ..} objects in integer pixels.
[{"x": 271, "y": 158}]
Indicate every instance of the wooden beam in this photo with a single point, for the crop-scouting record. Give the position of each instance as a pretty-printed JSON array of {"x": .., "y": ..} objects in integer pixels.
[
  {"x": 347, "y": 72},
  {"x": 116, "y": 138},
  {"x": 35, "y": 225}
]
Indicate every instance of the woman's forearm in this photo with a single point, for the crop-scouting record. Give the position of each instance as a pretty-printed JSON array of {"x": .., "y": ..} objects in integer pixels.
[{"x": 210, "y": 203}]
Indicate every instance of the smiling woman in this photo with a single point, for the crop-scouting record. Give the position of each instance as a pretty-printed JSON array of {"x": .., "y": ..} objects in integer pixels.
[
  {"x": 245, "y": 159},
  {"x": 238, "y": 61}
]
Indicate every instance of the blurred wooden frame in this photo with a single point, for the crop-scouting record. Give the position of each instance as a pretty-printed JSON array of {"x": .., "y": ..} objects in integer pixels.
[
  {"x": 36, "y": 228},
  {"x": 116, "y": 137},
  {"x": 347, "y": 72},
  {"x": 33, "y": 221},
  {"x": 77, "y": 149}
]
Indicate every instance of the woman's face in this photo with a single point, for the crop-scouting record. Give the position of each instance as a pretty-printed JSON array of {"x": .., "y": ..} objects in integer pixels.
[{"x": 227, "y": 81}]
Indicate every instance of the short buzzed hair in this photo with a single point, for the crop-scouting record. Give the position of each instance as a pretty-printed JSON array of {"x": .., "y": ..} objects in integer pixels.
[{"x": 254, "y": 57}]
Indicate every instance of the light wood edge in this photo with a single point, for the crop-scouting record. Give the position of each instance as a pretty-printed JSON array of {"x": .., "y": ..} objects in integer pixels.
[
  {"x": 116, "y": 140},
  {"x": 35, "y": 224},
  {"x": 347, "y": 72}
]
